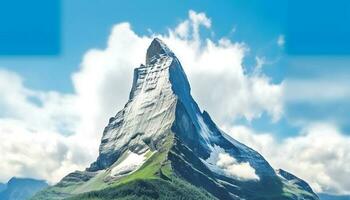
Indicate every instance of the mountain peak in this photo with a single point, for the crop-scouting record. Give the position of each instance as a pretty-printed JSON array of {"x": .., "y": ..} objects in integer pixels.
[
  {"x": 155, "y": 49},
  {"x": 162, "y": 68},
  {"x": 17, "y": 180},
  {"x": 21, "y": 188}
]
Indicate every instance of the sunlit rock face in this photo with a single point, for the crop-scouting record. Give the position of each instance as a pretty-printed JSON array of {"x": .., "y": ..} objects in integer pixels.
[{"x": 149, "y": 114}]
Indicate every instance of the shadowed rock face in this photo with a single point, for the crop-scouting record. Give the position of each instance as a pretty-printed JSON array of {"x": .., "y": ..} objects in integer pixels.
[
  {"x": 290, "y": 177},
  {"x": 161, "y": 109}
]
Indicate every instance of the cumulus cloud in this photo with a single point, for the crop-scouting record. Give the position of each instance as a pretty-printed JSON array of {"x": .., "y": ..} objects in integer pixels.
[
  {"x": 208, "y": 62},
  {"x": 41, "y": 131},
  {"x": 319, "y": 154},
  {"x": 49, "y": 110},
  {"x": 36, "y": 132},
  {"x": 44, "y": 154}
]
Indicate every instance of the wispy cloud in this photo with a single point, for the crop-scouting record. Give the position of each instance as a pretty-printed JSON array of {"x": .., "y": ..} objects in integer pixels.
[{"x": 317, "y": 90}]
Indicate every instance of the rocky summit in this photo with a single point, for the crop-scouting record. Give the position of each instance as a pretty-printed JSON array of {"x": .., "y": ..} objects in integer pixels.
[{"x": 162, "y": 146}]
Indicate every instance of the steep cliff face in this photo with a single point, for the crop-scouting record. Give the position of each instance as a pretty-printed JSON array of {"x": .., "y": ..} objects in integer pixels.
[
  {"x": 162, "y": 134},
  {"x": 160, "y": 101},
  {"x": 148, "y": 115}
]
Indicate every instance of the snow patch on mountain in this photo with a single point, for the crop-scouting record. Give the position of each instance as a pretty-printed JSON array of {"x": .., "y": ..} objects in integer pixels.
[
  {"x": 205, "y": 132},
  {"x": 130, "y": 164},
  {"x": 223, "y": 163}
]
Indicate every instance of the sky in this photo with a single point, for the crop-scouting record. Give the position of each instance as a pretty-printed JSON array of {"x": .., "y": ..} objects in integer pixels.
[{"x": 280, "y": 68}]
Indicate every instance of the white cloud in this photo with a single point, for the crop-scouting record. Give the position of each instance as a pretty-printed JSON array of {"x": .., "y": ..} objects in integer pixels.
[
  {"x": 224, "y": 163},
  {"x": 64, "y": 130},
  {"x": 191, "y": 26},
  {"x": 281, "y": 40},
  {"x": 183, "y": 29},
  {"x": 242, "y": 171},
  {"x": 320, "y": 154},
  {"x": 42, "y": 154},
  {"x": 34, "y": 134},
  {"x": 220, "y": 62},
  {"x": 49, "y": 110}
]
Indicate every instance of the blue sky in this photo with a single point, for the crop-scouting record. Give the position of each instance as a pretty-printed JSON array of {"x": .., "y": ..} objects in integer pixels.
[
  {"x": 315, "y": 33},
  {"x": 87, "y": 25},
  {"x": 305, "y": 47}
]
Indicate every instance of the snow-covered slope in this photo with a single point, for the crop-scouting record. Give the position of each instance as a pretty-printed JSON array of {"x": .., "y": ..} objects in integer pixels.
[{"x": 161, "y": 125}]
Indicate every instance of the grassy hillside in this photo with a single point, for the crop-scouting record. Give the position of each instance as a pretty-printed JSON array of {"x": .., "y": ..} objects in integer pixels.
[
  {"x": 172, "y": 172},
  {"x": 148, "y": 189}
]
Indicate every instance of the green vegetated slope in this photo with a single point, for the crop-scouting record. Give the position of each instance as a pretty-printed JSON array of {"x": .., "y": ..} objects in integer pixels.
[
  {"x": 172, "y": 172},
  {"x": 148, "y": 189},
  {"x": 155, "y": 179}
]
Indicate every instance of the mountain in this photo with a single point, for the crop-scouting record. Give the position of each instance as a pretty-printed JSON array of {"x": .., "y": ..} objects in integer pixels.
[
  {"x": 21, "y": 188},
  {"x": 324, "y": 196},
  {"x": 2, "y": 187},
  {"x": 161, "y": 146}
]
